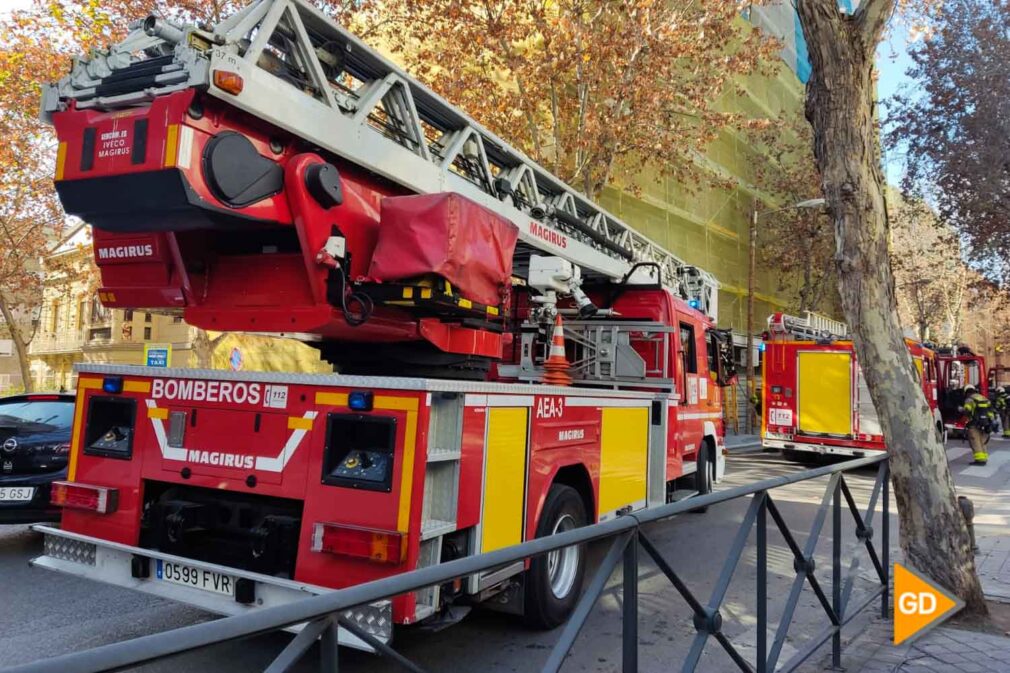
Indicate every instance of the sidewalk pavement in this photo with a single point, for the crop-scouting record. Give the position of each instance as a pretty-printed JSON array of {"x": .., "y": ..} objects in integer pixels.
[
  {"x": 945, "y": 649},
  {"x": 743, "y": 443},
  {"x": 993, "y": 564}
]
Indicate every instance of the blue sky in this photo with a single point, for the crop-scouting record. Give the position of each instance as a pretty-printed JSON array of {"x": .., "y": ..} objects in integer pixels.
[{"x": 892, "y": 62}]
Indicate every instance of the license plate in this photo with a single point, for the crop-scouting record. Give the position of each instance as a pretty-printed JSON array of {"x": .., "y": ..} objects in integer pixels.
[
  {"x": 16, "y": 493},
  {"x": 198, "y": 578}
]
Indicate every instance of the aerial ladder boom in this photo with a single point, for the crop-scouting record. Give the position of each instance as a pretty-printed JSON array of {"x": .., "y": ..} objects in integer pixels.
[
  {"x": 811, "y": 326},
  {"x": 249, "y": 174},
  {"x": 367, "y": 110}
]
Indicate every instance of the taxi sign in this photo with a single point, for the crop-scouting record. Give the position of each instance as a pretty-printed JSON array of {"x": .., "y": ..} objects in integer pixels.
[
  {"x": 919, "y": 604},
  {"x": 158, "y": 355}
]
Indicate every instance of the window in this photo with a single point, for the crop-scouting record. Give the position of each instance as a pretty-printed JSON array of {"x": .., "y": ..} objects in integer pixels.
[
  {"x": 54, "y": 316},
  {"x": 687, "y": 347},
  {"x": 99, "y": 314},
  {"x": 147, "y": 317},
  {"x": 128, "y": 315},
  {"x": 147, "y": 334},
  {"x": 82, "y": 309},
  {"x": 177, "y": 320}
]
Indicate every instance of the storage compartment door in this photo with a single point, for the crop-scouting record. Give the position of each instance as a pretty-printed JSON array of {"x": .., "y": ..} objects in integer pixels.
[
  {"x": 504, "y": 477},
  {"x": 624, "y": 459},
  {"x": 825, "y": 393}
]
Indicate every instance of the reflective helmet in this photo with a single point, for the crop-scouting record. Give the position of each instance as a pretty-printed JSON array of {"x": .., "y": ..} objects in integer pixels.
[
  {"x": 1001, "y": 390},
  {"x": 969, "y": 389}
]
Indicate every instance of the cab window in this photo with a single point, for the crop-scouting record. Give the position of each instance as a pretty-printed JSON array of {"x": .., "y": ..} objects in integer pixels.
[{"x": 688, "y": 350}]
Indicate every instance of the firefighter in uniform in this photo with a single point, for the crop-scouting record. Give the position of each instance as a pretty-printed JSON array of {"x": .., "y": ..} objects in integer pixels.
[
  {"x": 1002, "y": 404},
  {"x": 981, "y": 419}
]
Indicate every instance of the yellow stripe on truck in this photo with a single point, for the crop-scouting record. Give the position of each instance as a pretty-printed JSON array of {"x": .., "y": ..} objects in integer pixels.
[
  {"x": 171, "y": 145},
  {"x": 408, "y": 404},
  {"x": 624, "y": 457},
  {"x": 504, "y": 477},
  {"x": 137, "y": 387},
  {"x": 299, "y": 423},
  {"x": 61, "y": 160},
  {"x": 83, "y": 385}
]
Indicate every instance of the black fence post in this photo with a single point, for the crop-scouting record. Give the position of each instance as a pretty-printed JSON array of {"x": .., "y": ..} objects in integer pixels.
[
  {"x": 836, "y": 575},
  {"x": 761, "y": 541},
  {"x": 885, "y": 541},
  {"x": 329, "y": 647},
  {"x": 629, "y": 638}
]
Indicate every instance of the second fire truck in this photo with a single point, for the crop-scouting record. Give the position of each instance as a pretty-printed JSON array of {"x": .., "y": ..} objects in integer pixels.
[
  {"x": 814, "y": 397},
  {"x": 275, "y": 174}
]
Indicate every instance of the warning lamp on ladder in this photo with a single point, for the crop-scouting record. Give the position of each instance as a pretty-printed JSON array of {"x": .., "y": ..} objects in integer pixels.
[{"x": 556, "y": 366}]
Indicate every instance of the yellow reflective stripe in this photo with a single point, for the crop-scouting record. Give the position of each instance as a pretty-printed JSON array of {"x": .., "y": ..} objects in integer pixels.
[
  {"x": 136, "y": 387},
  {"x": 171, "y": 145},
  {"x": 299, "y": 423},
  {"x": 332, "y": 399},
  {"x": 61, "y": 159},
  {"x": 83, "y": 385},
  {"x": 157, "y": 413},
  {"x": 409, "y": 405}
]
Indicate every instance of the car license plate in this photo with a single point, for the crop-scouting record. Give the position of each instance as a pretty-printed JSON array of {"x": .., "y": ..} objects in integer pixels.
[
  {"x": 198, "y": 578},
  {"x": 16, "y": 493}
]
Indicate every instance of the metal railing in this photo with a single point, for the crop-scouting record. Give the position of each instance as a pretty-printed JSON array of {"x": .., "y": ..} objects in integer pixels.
[{"x": 322, "y": 614}]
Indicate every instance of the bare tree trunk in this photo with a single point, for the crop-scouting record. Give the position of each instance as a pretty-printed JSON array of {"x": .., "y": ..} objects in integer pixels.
[
  {"x": 20, "y": 344},
  {"x": 204, "y": 347},
  {"x": 840, "y": 108}
]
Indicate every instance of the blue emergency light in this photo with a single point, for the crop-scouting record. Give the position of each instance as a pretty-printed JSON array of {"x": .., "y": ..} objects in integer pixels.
[
  {"x": 694, "y": 303},
  {"x": 361, "y": 400},
  {"x": 112, "y": 384}
]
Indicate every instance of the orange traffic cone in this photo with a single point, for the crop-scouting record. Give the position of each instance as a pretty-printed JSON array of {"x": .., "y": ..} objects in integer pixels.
[{"x": 556, "y": 366}]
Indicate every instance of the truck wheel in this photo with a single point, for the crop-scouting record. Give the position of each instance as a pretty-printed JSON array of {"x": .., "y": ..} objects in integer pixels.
[
  {"x": 554, "y": 580},
  {"x": 704, "y": 475}
]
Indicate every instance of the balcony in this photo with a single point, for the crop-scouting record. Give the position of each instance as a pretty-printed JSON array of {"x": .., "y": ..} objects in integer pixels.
[{"x": 51, "y": 344}]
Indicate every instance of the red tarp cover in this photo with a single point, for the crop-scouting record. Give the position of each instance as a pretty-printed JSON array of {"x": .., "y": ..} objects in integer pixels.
[{"x": 449, "y": 235}]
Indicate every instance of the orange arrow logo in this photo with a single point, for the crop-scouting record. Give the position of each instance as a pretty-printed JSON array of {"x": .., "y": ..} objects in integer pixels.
[{"x": 919, "y": 604}]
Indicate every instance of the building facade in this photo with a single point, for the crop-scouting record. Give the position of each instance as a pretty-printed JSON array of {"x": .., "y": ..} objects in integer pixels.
[{"x": 73, "y": 325}]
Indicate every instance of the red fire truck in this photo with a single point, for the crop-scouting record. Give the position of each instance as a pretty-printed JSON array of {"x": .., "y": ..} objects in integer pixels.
[
  {"x": 814, "y": 396},
  {"x": 274, "y": 174},
  {"x": 959, "y": 367}
]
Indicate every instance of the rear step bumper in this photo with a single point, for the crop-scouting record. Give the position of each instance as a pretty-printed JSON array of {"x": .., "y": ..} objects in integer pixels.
[
  {"x": 821, "y": 449},
  {"x": 113, "y": 563}
]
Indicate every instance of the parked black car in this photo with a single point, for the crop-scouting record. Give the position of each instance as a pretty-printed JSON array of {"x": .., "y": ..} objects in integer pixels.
[{"x": 34, "y": 450}]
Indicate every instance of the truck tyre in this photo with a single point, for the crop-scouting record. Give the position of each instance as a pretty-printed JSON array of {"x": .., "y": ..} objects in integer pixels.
[
  {"x": 554, "y": 581},
  {"x": 704, "y": 475}
]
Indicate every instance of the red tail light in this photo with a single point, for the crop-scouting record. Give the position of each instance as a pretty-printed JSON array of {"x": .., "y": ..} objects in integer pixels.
[
  {"x": 83, "y": 496},
  {"x": 382, "y": 546}
]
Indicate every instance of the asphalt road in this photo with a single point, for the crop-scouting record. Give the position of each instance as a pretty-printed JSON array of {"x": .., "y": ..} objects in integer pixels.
[{"x": 45, "y": 614}]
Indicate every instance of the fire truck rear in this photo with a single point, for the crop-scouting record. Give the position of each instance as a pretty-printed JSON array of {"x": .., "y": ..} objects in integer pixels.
[
  {"x": 959, "y": 367},
  {"x": 274, "y": 174},
  {"x": 814, "y": 396}
]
